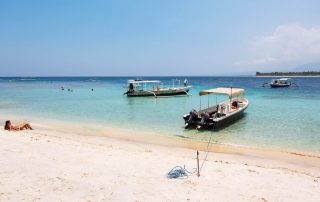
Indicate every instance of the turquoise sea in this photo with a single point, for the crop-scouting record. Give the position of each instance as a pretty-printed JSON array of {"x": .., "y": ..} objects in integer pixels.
[{"x": 284, "y": 118}]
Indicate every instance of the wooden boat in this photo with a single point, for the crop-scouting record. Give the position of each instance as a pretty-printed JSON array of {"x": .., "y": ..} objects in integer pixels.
[
  {"x": 220, "y": 115},
  {"x": 153, "y": 88}
]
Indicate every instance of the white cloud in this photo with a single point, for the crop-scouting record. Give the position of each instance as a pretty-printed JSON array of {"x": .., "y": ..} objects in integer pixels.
[{"x": 288, "y": 44}]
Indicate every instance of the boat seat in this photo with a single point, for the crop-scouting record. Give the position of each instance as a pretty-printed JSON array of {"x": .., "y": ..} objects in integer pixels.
[
  {"x": 218, "y": 115},
  {"x": 210, "y": 110}
]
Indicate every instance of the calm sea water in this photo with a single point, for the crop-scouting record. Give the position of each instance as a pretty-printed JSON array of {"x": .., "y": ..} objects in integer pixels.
[{"x": 286, "y": 118}]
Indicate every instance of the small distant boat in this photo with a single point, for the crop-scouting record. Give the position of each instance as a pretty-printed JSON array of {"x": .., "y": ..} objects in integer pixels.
[
  {"x": 140, "y": 87},
  {"x": 220, "y": 115},
  {"x": 282, "y": 82}
]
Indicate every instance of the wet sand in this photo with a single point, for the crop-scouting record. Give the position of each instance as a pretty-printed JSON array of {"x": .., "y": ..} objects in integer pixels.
[{"x": 74, "y": 163}]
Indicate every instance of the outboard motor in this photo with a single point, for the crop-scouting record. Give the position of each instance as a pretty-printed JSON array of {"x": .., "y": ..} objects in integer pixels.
[
  {"x": 193, "y": 116},
  {"x": 131, "y": 88},
  {"x": 204, "y": 118}
]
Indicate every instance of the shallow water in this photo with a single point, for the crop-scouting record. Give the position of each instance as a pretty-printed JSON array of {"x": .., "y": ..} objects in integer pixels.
[{"x": 284, "y": 118}]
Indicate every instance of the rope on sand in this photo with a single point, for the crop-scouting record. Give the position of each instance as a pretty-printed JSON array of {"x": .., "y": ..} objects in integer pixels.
[{"x": 179, "y": 172}]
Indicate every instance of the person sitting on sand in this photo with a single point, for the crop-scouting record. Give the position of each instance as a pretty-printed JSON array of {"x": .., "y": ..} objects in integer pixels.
[{"x": 9, "y": 126}]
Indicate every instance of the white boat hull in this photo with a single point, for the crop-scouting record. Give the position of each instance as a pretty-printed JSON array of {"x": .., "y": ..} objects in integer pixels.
[{"x": 160, "y": 92}]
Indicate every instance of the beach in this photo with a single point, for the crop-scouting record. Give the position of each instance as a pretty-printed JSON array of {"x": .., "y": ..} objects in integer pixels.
[
  {"x": 69, "y": 165},
  {"x": 103, "y": 146},
  {"x": 144, "y": 101},
  {"x": 273, "y": 119}
]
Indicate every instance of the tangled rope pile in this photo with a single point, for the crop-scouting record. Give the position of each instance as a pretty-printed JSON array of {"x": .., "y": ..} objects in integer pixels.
[{"x": 180, "y": 172}]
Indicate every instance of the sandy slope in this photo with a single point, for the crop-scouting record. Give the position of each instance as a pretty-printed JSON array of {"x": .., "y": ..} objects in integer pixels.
[{"x": 46, "y": 165}]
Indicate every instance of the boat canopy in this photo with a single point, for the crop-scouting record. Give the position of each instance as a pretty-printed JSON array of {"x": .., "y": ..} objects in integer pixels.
[
  {"x": 231, "y": 92},
  {"x": 143, "y": 81},
  {"x": 284, "y": 79}
]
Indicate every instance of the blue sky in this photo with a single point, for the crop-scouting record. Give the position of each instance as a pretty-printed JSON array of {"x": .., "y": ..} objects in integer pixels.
[{"x": 138, "y": 38}]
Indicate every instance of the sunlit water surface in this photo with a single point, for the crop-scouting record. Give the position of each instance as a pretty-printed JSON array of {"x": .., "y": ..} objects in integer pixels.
[{"x": 283, "y": 118}]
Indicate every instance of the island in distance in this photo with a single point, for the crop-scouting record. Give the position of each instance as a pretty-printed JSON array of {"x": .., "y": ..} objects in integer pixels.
[{"x": 304, "y": 73}]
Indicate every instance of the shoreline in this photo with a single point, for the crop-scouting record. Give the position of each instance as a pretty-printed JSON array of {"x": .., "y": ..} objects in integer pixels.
[
  {"x": 291, "y": 160},
  {"x": 63, "y": 165},
  {"x": 149, "y": 137}
]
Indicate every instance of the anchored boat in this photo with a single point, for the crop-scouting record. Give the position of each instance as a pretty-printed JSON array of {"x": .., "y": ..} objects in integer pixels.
[
  {"x": 153, "y": 88},
  {"x": 282, "y": 82},
  {"x": 220, "y": 115}
]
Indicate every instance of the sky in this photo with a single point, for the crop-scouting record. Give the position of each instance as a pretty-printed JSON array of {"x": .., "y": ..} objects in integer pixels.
[{"x": 156, "y": 38}]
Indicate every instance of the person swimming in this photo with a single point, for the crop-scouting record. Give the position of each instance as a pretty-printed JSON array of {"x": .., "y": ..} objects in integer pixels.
[{"x": 8, "y": 126}]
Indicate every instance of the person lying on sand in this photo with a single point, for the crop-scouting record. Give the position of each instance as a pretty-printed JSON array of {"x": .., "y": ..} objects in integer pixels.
[{"x": 9, "y": 126}]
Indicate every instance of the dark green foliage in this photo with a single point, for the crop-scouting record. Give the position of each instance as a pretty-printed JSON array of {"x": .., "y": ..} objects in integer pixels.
[{"x": 305, "y": 73}]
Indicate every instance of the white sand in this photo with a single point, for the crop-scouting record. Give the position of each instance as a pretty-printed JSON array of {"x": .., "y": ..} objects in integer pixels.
[{"x": 46, "y": 165}]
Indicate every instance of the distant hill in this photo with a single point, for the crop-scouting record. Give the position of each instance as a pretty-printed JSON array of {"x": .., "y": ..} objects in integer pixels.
[{"x": 305, "y": 73}]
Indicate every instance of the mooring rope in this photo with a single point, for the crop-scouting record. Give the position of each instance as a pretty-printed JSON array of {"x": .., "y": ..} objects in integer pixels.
[
  {"x": 208, "y": 149},
  {"x": 179, "y": 172}
]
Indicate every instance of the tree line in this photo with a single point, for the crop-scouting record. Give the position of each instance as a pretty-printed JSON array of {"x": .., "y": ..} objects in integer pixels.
[{"x": 305, "y": 73}]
